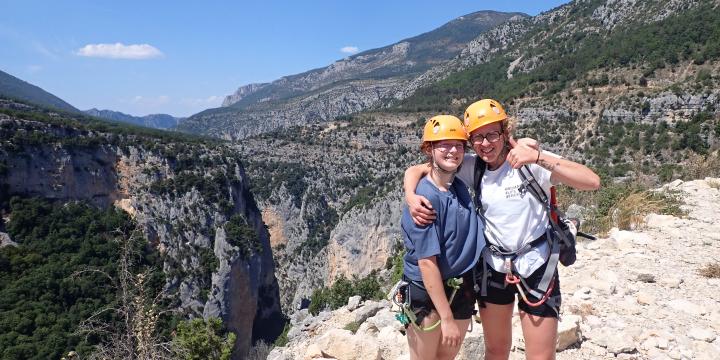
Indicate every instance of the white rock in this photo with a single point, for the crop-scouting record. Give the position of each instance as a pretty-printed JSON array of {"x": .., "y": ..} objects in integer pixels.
[
  {"x": 657, "y": 354},
  {"x": 644, "y": 298},
  {"x": 619, "y": 343},
  {"x": 568, "y": 332},
  {"x": 706, "y": 351},
  {"x": 370, "y": 308},
  {"x": 662, "y": 343},
  {"x": 353, "y": 302},
  {"x": 593, "y": 321},
  {"x": 686, "y": 353},
  {"x": 701, "y": 334},
  {"x": 714, "y": 318},
  {"x": 648, "y": 344},
  {"x": 658, "y": 221},
  {"x": 343, "y": 345},
  {"x": 625, "y": 239},
  {"x": 367, "y": 328},
  {"x": 671, "y": 282},
  {"x": 686, "y": 307},
  {"x": 603, "y": 287},
  {"x": 313, "y": 352},
  {"x": 277, "y": 354}
]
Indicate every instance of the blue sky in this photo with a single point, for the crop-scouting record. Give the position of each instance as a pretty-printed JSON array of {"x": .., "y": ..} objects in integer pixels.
[{"x": 181, "y": 57}]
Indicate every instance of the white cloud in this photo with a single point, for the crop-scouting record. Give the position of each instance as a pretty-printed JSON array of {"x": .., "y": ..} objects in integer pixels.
[
  {"x": 349, "y": 49},
  {"x": 120, "y": 51}
]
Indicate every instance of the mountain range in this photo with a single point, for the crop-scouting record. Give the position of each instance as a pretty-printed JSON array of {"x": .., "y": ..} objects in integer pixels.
[
  {"x": 350, "y": 85},
  {"x": 16, "y": 89},
  {"x": 155, "y": 121}
]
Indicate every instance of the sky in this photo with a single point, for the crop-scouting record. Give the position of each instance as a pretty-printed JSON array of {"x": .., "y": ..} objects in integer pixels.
[{"x": 181, "y": 57}]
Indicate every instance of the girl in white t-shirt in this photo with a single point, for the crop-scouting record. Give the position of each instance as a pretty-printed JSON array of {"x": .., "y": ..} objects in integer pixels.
[{"x": 514, "y": 220}]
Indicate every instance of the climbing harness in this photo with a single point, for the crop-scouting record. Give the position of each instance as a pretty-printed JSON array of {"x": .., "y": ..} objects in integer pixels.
[{"x": 401, "y": 298}]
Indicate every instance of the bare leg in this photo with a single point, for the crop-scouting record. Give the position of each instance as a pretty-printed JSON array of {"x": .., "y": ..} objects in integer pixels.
[
  {"x": 540, "y": 336},
  {"x": 424, "y": 344},
  {"x": 497, "y": 330},
  {"x": 447, "y": 352}
]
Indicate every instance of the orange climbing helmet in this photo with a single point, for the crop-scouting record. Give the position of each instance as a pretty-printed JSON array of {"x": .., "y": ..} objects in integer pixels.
[
  {"x": 483, "y": 112},
  {"x": 444, "y": 127}
]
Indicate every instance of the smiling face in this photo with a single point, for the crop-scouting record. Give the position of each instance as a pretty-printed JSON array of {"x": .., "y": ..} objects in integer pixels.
[
  {"x": 448, "y": 154},
  {"x": 489, "y": 142}
]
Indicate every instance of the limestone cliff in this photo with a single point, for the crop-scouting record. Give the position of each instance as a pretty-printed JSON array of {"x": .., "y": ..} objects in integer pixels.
[{"x": 183, "y": 193}]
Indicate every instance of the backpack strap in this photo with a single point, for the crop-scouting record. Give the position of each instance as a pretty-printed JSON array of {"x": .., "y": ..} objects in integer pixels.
[
  {"x": 478, "y": 172},
  {"x": 532, "y": 186},
  {"x": 536, "y": 190}
]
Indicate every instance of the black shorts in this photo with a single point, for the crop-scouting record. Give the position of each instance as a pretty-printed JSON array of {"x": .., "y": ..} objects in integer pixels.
[
  {"x": 462, "y": 306},
  {"x": 507, "y": 295}
]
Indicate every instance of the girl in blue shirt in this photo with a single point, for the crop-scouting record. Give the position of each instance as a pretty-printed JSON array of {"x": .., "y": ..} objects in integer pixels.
[{"x": 446, "y": 250}]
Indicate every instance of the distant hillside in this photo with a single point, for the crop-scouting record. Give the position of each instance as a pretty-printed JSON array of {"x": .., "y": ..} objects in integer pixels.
[
  {"x": 156, "y": 121},
  {"x": 347, "y": 86},
  {"x": 14, "y": 88}
]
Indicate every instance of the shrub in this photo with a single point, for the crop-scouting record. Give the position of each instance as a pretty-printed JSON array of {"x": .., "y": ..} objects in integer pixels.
[
  {"x": 711, "y": 271},
  {"x": 201, "y": 339}
]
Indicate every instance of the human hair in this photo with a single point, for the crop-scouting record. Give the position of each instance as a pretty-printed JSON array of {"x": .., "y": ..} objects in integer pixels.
[
  {"x": 426, "y": 148},
  {"x": 509, "y": 125}
]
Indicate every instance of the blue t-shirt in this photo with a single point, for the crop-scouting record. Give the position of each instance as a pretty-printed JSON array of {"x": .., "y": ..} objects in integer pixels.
[{"x": 455, "y": 237}]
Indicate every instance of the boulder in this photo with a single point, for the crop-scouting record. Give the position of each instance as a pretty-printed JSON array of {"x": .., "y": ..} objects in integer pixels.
[
  {"x": 568, "y": 332},
  {"x": 353, "y": 302},
  {"x": 343, "y": 345}
]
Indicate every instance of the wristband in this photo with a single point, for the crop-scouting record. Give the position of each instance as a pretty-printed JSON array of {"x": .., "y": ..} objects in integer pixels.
[{"x": 538, "y": 158}]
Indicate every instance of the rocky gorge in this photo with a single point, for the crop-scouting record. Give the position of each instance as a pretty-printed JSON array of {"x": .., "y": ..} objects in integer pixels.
[{"x": 187, "y": 198}]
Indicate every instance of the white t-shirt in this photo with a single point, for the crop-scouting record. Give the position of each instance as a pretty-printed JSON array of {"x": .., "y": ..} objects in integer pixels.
[{"x": 512, "y": 215}]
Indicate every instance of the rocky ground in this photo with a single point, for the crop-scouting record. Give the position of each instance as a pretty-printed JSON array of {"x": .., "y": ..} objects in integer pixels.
[{"x": 632, "y": 295}]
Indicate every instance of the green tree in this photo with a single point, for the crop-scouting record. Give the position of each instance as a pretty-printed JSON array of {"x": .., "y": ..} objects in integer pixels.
[{"x": 198, "y": 339}]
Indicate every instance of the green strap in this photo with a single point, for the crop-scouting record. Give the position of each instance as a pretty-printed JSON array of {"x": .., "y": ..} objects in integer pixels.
[{"x": 454, "y": 283}]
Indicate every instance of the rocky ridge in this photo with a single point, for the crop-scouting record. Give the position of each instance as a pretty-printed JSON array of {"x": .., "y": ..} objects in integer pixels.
[
  {"x": 350, "y": 85},
  {"x": 620, "y": 300}
]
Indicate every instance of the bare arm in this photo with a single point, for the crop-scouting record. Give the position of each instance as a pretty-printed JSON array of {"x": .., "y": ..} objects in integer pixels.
[
  {"x": 420, "y": 207},
  {"x": 562, "y": 170},
  {"x": 432, "y": 280}
]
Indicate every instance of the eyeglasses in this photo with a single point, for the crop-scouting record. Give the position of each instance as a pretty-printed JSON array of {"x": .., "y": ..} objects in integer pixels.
[
  {"x": 445, "y": 147},
  {"x": 492, "y": 137}
]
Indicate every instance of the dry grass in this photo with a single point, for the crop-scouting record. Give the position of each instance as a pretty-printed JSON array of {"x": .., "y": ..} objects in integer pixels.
[
  {"x": 353, "y": 326},
  {"x": 702, "y": 166},
  {"x": 711, "y": 271},
  {"x": 715, "y": 184},
  {"x": 630, "y": 211}
]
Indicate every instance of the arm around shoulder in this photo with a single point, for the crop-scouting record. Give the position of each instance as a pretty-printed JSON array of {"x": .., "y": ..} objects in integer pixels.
[{"x": 421, "y": 209}]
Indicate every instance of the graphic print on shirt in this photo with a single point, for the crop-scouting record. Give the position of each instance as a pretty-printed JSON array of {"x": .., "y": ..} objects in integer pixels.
[{"x": 515, "y": 191}]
